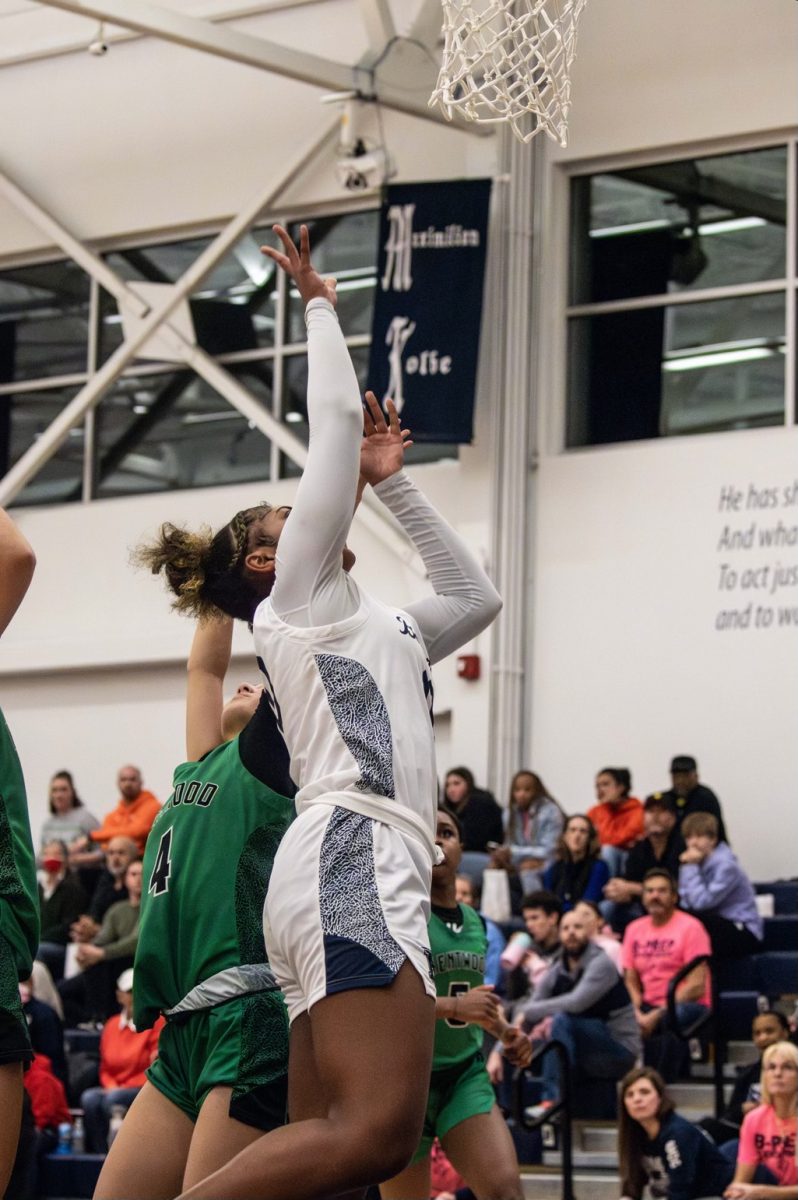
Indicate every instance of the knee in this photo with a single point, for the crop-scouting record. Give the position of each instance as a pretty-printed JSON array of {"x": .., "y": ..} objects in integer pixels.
[
  {"x": 92, "y": 1099},
  {"x": 561, "y": 1023},
  {"x": 382, "y": 1147}
]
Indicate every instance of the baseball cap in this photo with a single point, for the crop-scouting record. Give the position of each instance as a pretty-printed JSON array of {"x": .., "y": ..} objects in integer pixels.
[
  {"x": 683, "y": 762},
  {"x": 125, "y": 981}
]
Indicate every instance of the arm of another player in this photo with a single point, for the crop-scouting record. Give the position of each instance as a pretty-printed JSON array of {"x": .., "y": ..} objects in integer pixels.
[
  {"x": 207, "y": 666},
  {"x": 17, "y": 564}
]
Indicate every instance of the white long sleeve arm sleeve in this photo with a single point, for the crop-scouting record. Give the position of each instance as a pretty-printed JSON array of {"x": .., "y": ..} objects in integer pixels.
[
  {"x": 465, "y": 600},
  {"x": 311, "y": 587}
]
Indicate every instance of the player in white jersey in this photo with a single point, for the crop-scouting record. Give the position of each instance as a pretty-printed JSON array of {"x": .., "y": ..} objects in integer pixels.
[{"x": 349, "y": 677}]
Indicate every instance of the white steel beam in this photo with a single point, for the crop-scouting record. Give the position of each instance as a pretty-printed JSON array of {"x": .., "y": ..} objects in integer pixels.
[
  {"x": 379, "y": 24},
  {"x": 199, "y": 34},
  {"x": 58, "y": 431}
]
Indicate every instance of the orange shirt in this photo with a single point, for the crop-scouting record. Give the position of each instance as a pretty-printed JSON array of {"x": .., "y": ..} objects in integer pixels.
[
  {"x": 618, "y": 824},
  {"x": 131, "y": 819},
  {"x": 125, "y": 1053}
]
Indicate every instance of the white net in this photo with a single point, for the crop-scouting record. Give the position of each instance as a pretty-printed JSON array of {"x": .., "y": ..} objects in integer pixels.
[{"x": 509, "y": 60}]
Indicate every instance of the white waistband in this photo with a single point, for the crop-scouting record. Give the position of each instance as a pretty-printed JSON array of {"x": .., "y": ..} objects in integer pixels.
[{"x": 380, "y": 809}]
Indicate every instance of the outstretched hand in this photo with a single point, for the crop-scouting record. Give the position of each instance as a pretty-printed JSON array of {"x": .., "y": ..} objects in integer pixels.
[
  {"x": 382, "y": 450},
  {"x": 296, "y": 263}
]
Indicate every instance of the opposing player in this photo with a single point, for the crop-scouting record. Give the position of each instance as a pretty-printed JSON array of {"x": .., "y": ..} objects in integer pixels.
[
  {"x": 462, "y": 1110},
  {"x": 349, "y": 677},
  {"x": 19, "y": 904},
  {"x": 220, "y": 1079}
]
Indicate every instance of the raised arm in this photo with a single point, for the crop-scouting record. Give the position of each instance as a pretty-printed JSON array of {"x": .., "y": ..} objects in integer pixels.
[
  {"x": 465, "y": 600},
  {"x": 311, "y": 587},
  {"x": 207, "y": 666},
  {"x": 17, "y": 563}
]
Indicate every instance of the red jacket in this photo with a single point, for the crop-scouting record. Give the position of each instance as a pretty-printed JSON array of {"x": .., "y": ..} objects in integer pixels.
[
  {"x": 125, "y": 1053},
  {"x": 47, "y": 1096},
  {"x": 618, "y": 824}
]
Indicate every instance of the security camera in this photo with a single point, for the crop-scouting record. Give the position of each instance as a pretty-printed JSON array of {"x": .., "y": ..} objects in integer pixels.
[
  {"x": 360, "y": 172},
  {"x": 98, "y": 48}
]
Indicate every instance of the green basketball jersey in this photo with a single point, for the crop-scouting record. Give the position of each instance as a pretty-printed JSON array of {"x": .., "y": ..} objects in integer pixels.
[
  {"x": 459, "y": 943},
  {"x": 19, "y": 898},
  {"x": 207, "y": 865}
]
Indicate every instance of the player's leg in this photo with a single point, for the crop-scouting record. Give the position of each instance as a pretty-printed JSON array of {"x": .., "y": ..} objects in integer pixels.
[
  {"x": 373, "y": 1051},
  {"x": 218, "y": 1137},
  {"x": 411, "y": 1184},
  {"x": 482, "y": 1150},
  {"x": 11, "y": 1108},
  {"x": 148, "y": 1156}
]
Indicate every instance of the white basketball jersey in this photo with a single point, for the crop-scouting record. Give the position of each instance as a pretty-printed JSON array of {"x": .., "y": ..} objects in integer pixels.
[{"x": 354, "y": 701}]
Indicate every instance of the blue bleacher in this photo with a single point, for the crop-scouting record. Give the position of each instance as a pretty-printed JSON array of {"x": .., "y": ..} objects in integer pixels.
[
  {"x": 784, "y": 893},
  {"x": 73, "y": 1175},
  {"x": 777, "y": 973},
  {"x": 781, "y": 933}
]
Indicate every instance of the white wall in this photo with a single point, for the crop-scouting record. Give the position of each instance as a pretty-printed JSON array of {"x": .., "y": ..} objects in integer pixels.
[{"x": 630, "y": 666}]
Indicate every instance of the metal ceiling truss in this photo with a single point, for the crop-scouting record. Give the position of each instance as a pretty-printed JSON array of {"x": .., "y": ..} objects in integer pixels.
[
  {"x": 200, "y": 34},
  {"x": 190, "y": 355}
]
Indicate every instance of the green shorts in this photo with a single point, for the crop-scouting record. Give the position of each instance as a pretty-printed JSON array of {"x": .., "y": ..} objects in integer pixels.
[
  {"x": 241, "y": 1044},
  {"x": 455, "y": 1094},
  {"x": 14, "y": 1036}
]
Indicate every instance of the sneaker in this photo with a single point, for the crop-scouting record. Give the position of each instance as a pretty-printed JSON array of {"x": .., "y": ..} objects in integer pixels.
[
  {"x": 695, "y": 1048},
  {"x": 536, "y": 1112}
]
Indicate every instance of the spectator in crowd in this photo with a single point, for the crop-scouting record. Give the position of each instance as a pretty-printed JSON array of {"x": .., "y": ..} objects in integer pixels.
[
  {"x": 47, "y": 1096},
  {"x": 542, "y": 912},
  {"x": 91, "y": 995},
  {"x": 766, "y": 1167},
  {"x": 132, "y": 818},
  {"x": 767, "y": 1029},
  {"x": 714, "y": 886},
  {"x": 43, "y": 987},
  {"x": 689, "y": 795},
  {"x": 125, "y": 1055},
  {"x": 477, "y": 812},
  {"x": 61, "y": 901},
  {"x": 660, "y": 847},
  {"x": 590, "y": 916},
  {"x": 655, "y": 947},
  {"x": 659, "y": 1149},
  {"x": 46, "y": 1029},
  {"x": 534, "y": 824},
  {"x": 69, "y": 819},
  {"x": 119, "y": 854},
  {"x": 578, "y": 872},
  {"x": 467, "y": 892},
  {"x": 591, "y": 1009},
  {"x": 618, "y": 816}
]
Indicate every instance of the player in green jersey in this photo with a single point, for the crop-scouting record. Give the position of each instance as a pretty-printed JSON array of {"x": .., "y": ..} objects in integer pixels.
[
  {"x": 19, "y": 905},
  {"x": 219, "y": 1081},
  {"x": 462, "y": 1110}
]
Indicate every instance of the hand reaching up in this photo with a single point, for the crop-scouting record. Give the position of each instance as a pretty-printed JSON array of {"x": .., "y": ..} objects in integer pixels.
[
  {"x": 296, "y": 263},
  {"x": 382, "y": 450}
]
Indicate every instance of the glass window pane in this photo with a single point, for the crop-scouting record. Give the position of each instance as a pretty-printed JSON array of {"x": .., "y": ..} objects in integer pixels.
[
  {"x": 346, "y": 247},
  {"x": 24, "y": 419},
  {"x": 679, "y": 226},
  {"x": 684, "y": 369},
  {"x": 44, "y": 321},
  {"x": 168, "y": 431}
]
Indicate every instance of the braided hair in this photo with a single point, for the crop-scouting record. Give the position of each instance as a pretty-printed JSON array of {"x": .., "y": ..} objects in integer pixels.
[{"x": 206, "y": 570}]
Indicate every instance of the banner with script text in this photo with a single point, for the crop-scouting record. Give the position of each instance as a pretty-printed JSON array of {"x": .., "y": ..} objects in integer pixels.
[{"x": 428, "y": 306}]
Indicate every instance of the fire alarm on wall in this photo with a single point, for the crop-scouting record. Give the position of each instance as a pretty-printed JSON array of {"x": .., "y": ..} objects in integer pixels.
[{"x": 469, "y": 666}]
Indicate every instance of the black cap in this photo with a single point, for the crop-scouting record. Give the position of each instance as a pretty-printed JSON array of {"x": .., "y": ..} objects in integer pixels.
[
  {"x": 661, "y": 800},
  {"x": 683, "y": 762}
]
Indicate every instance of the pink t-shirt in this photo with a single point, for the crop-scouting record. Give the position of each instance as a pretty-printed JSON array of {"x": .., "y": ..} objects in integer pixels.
[
  {"x": 657, "y": 952},
  {"x": 767, "y": 1140}
]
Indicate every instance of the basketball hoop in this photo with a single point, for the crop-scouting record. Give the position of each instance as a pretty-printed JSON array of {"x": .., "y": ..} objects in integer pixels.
[{"x": 509, "y": 60}]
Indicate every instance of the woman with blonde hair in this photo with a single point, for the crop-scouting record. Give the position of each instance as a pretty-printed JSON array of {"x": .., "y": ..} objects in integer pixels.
[{"x": 767, "y": 1136}]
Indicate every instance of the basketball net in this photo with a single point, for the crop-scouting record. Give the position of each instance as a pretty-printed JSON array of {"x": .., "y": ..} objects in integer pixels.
[{"x": 509, "y": 60}]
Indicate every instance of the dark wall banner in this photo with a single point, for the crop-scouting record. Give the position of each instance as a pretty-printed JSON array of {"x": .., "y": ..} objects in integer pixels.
[{"x": 425, "y": 333}]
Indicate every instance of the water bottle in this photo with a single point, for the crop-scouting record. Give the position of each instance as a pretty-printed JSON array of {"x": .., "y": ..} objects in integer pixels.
[
  {"x": 64, "y": 1138},
  {"x": 512, "y": 954},
  {"x": 115, "y": 1124},
  {"x": 78, "y": 1136}
]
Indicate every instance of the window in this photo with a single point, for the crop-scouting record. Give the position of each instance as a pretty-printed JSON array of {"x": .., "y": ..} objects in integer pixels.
[
  {"x": 162, "y": 426},
  {"x": 679, "y": 297}
]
